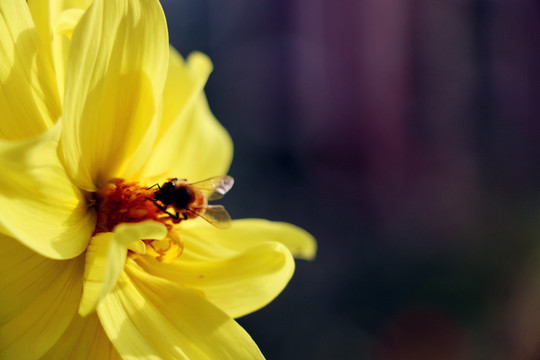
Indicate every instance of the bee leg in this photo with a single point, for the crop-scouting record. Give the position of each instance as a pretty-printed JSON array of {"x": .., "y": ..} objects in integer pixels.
[
  {"x": 175, "y": 218},
  {"x": 160, "y": 207},
  {"x": 156, "y": 184},
  {"x": 156, "y": 203}
]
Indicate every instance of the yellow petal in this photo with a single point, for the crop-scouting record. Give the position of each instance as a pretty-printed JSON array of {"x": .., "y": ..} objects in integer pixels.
[
  {"x": 71, "y": 4},
  {"x": 237, "y": 285},
  {"x": 55, "y": 21},
  {"x": 38, "y": 298},
  {"x": 191, "y": 142},
  {"x": 63, "y": 27},
  {"x": 114, "y": 83},
  {"x": 40, "y": 11},
  {"x": 38, "y": 203},
  {"x": 46, "y": 13},
  {"x": 203, "y": 241},
  {"x": 83, "y": 339},
  {"x": 185, "y": 83},
  {"x": 148, "y": 317},
  {"x": 105, "y": 258},
  {"x": 29, "y": 101},
  {"x": 67, "y": 21}
]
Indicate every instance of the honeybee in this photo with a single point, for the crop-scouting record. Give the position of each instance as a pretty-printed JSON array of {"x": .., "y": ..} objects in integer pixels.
[{"x": 190, "y": 200}]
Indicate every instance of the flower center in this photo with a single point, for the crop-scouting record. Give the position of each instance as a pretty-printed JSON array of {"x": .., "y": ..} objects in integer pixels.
[{"x": 128, "y": 202}]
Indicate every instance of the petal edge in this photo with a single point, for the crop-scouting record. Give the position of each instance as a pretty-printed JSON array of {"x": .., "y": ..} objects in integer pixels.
[{"x": 35, "y": 189}]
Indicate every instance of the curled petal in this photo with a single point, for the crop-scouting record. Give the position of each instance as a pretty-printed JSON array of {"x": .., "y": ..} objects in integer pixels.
[
  {"x": 207, "y": 242},
  {"x": 46, "y": 14},
  {"x": 189, "y": 135},
  {"x": 29, "y": 101},
  {"x": 67, "y": 21},
  {"x": 39, "y": 298},
  {"x": 39, "y": 205},
  {"x": 240, "y": 269},
  {"x": 105, "y": 258},
  {"x": 149, "y": 317},
  {"x": 237, "y": 285},
  {"x": 114, "y": 83},
  {"x": 55, "y": 21}
]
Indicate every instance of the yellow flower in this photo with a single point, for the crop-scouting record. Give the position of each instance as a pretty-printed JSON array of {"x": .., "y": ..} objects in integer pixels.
[{"x": 95, "y": 109}]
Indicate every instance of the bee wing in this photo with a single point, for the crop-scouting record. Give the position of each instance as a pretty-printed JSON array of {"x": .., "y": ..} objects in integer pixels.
[
  {"x": 214, "y": 188},
  {"x": 217, "y": 216}
]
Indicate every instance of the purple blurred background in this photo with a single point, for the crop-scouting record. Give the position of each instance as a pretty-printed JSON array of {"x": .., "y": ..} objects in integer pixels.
[{"x": 404, "y": 135}]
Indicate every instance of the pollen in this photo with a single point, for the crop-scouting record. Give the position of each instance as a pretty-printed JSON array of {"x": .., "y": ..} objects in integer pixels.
[{"x": 128, "y": 202}]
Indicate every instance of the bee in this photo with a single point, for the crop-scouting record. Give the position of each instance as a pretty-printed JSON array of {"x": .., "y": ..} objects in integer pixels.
[{"x": 190, "y": 200}]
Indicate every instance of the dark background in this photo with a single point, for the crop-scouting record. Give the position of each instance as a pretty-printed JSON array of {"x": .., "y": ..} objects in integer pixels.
[{"x": 404, "y": 135}]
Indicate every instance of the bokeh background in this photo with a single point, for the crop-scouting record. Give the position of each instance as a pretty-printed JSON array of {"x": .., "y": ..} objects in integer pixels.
[{"x": 405, "y": 136}]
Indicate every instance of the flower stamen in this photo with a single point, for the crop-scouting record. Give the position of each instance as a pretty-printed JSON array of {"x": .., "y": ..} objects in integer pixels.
[{"x": 128, "y": 202}]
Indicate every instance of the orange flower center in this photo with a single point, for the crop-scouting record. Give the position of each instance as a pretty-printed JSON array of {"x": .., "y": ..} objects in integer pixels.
[{"x": 123, "y": 202}]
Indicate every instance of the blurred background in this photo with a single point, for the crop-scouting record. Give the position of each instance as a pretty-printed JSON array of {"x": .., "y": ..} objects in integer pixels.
[{"x": 405, "y": 136}]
